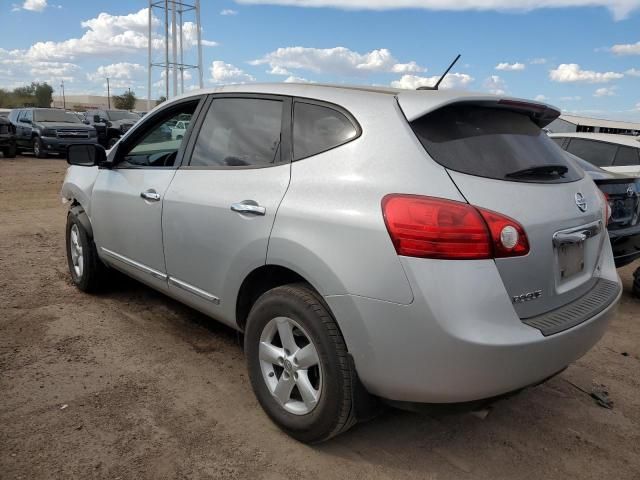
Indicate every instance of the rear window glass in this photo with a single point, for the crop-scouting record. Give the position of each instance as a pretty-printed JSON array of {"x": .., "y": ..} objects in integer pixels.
[
  {"x": 627, "y": 156},
  {"x": 318, "y": 129},
  {"x": 598, "y": 153},
  {"x": 493, "y": 143}
]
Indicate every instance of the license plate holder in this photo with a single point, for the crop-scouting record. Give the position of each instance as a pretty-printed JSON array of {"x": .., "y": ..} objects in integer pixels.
[{"x": 571, "y": 259}]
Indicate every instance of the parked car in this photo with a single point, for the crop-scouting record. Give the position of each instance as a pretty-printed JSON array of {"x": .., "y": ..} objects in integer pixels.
[
  {"x": 615, "y": 153},
  {"x": 414, "y": 246},
  {"x": 111, "y": 124},
  {"x": 4, "y": 112},
  {"x": 178, "y": 131},
  {"x": 623, "y": 195},
  {"x": 48, "y": 130},
  {"x": 7, "y": 138}
]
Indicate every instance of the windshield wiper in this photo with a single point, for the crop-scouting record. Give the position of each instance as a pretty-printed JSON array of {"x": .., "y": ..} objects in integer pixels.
[{"x": 540, "y": 171}]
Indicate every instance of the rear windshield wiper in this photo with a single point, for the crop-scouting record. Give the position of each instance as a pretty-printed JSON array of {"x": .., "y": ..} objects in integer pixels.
[{"x": 542, "y": 170}]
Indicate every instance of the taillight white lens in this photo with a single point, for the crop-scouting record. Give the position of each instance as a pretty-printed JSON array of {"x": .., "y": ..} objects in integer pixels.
[{"x": 509, "y": 237}]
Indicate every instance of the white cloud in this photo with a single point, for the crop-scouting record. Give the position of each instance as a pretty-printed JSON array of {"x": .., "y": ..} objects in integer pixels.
[
  {"x": 222, "y": 72},
  {"x": 494, "y": 84},
  {"x": 452, "y": 80},
  {"x": 279, "y": 71},
  {"x": 626, "y": 49},
  {"x": 122, "y": 70},
  {"x": 571, "y": 72},
  {"x": 294, "y": 79},
  {"x": 337, "y": 60},
  {"x": 541, "y": 98},
  {"x": 228, "y": 11},
  {"x": 510, "y": 66},
  {"x": 538, "y": 61},
  {"x": 14, "y": 67},
  {"x": 633, "y": 72},
  {"x": 605, "y": 92},
  {"x": 35, "y": 5},
  {"x": 109, "y": 34},
  {"x": 620, "y": 8}
]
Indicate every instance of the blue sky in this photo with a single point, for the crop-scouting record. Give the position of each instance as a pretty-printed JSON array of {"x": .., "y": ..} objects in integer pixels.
[{"x": 584, "y": 59}]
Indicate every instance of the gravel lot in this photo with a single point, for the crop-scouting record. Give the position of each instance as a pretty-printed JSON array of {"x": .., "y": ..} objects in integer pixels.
[{"x": 130, "y": 384}]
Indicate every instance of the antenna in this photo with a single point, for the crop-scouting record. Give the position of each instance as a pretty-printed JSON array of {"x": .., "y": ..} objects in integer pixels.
[{"x": 435, "y": 87}]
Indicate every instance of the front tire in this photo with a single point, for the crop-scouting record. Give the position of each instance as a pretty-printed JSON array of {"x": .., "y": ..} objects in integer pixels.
[
  {"x": 86, "y": 268},
  {"x": 38, "y": 148},
  {"x": 298, "y": 364}
]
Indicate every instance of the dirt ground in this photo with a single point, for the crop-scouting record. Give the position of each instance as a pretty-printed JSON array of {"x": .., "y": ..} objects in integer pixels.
[{"x": 132, "y": 385}]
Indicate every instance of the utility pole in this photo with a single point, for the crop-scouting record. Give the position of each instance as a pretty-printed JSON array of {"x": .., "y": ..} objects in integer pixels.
[
  {"x": 108, "y": 94},
  {"x": 199, "y": 28},
  {"x": 174, "y": 49},
  {"x": 166, "y": 48},
  {"x": 64, "y": 100},
  {"x": 150, "y": 65}
]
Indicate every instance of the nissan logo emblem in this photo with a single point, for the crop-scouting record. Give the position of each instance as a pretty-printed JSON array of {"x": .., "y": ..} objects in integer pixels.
[
  {"x": 581, "y": 202},
  {"x": 630, "y": 191}
]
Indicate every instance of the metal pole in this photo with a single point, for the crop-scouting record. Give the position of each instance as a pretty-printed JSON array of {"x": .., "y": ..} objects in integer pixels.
[
  {"x": 199, "y": 29},
  {"x": 181, "y": 55},
  {"x": 166, "y": 48},
  {"x": 64, "y": 100},
  {"x": 174, "y": 48},
  {"x": 149, "y": 70},
  {"x": 108, "y": 94}
]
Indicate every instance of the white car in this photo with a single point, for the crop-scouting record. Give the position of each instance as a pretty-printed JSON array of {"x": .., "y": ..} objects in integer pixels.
[
  {"x": 616, "y": 153},
  {"x": 179, "y": 130}
]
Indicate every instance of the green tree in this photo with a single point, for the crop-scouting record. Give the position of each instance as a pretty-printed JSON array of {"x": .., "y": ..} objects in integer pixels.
[
  {"x": 43, "y": 93},
  {"x": 161, "y": 99},
  {"x": 126, "y": 101}
]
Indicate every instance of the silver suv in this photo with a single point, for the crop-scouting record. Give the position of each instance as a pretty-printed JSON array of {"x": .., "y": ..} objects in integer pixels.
[{"x": 412, "y": 246}]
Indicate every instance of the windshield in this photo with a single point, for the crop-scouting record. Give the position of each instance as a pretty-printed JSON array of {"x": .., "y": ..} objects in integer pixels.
[
  {"x": 54, "y": 116},
  {"x": 116, "y": 115},
  {"x": 493, "y": 143}
]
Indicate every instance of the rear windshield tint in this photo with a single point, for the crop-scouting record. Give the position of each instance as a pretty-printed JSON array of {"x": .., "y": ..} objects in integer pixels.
[{"x": 493, "y": 143}]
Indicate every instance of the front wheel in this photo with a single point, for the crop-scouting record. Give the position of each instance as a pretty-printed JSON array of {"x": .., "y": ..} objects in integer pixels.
[
  {"x": 38, "y": 148},
  {"x": 298, "y": 363},
  {"x": 86, "y": 268}
]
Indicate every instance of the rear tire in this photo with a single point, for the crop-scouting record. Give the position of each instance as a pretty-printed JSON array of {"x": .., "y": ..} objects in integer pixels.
[
  {"x": 320, "y": 400},
  {"x": 38, "y": 148},
  {"x": 87, "y": 270}
]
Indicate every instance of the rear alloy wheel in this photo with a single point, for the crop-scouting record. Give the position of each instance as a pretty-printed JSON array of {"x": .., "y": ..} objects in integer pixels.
[
  {"x": 38, "y": 148},
  {"x": 298, "y": 363}
]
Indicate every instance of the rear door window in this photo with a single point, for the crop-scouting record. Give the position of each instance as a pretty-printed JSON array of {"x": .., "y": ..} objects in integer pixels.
[
  {"x": 600, "y": 154},
  {"x": 493, "y": 143},
  {"x": 627, "y": 156},
  {"x": 318, "y": 128}
]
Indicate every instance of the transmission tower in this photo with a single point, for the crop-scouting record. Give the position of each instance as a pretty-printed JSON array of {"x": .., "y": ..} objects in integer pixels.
[{"x": 172, "y": 12}]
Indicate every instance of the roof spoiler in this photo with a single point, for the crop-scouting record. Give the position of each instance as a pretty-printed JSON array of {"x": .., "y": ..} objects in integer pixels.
[{"x": 417, "y": 104}]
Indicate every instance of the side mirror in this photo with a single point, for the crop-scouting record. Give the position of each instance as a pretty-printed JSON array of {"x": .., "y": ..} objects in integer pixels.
[
  {"x": 86, "y": 155},
  {"x": 96, "y": 119}
]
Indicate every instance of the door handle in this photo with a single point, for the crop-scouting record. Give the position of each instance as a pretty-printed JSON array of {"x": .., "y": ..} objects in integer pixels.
[
  {"x": 150, "y": 195},
  {"x": 248, "y": 206}
]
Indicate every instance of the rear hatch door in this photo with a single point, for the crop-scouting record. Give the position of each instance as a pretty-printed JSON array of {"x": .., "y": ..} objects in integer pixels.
[{"x": 501, "y": 160}]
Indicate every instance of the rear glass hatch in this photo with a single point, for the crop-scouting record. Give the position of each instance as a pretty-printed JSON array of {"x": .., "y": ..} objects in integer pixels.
[{"x": 500, "y": 159}]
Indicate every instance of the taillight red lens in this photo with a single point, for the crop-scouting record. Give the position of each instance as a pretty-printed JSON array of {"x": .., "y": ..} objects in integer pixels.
[{"x": 429, "y": 227}]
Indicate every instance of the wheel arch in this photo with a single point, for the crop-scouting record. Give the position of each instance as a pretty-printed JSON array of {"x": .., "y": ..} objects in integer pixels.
[
  {"x": 259, "y": 281},
  {"x": 78, "y": 211}
]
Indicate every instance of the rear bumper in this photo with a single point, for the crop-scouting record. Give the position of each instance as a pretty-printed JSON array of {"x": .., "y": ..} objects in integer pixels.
[
  {"x": 460, "y": 340},
  {"x": 60, "y": 145}
]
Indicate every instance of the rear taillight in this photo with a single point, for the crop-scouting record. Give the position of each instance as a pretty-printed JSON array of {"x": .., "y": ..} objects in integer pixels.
[
  {"x": 429, "y": 227},
  {"x": 607, "y": 206}
]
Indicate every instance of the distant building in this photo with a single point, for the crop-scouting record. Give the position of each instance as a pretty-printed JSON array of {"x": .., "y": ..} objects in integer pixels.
[
  {"x": 86, "y": 102},
  {"x": 573, "y": 123}
]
